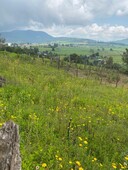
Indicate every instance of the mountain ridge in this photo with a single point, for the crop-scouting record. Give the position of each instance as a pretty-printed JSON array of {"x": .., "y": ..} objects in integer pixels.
[
  {"x": 30, "y": 36},
  {"x": 26, "y": 36},
  {"x": 123, "y": 41}
]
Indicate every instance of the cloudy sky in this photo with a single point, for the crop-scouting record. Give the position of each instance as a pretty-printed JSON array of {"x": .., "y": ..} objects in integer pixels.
[{"x": 94, "y": 19}]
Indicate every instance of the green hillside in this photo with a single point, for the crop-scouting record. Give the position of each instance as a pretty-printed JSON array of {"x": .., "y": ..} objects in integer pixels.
[{"x": 66, "y": 122}]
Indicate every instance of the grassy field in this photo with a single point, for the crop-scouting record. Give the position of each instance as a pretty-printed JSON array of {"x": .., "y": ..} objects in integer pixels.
[
  {"x": 65, "y": 122},
  {"x": 110, "y": 51}
]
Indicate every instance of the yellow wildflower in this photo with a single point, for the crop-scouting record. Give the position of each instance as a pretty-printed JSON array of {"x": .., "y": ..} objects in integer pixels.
[
  {"x": 78, "y": 163},
  {"x": 122, "y": 167},
  {"x": 13, "y": 117},
  {"x": 61, "y": 166},
  {"x": 80, "y": 138},
  {"x": 57, "y": 109},
  {"x": 60, "y": 159},
  {"x": 1, "y": 124},
  {"x": 95, "y": 159},
  {"x": 56, "y": 156},
  {"x": 126, "y": 157},
  {"x": 114, "y": 165},
  {"x": 44, "y": 165},
  {"x": 80, "y": 145},
  {"x": 80, "y": 168},
  {"x": 85, "y": 142}
]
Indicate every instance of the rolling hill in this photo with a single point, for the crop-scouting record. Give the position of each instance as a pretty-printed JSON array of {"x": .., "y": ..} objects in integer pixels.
[
  {"x": 26, "y": 36},
  {"x": 29, "y": 36},
  {"x": 123, "y": 41}
]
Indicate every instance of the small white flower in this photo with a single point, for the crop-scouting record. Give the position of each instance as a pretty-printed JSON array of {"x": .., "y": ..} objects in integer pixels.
[
  {"x": 125, "y": 164},
  {"x": 37, "y": 167}
]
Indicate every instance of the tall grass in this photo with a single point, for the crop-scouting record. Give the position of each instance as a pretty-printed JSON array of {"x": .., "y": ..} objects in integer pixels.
[{"x": 65, "y": 122}]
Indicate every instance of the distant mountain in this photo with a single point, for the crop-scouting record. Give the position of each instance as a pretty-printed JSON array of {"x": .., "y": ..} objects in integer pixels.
[
  {"x": 123, "y": 41},
  {"x": 27, "y": 36}
]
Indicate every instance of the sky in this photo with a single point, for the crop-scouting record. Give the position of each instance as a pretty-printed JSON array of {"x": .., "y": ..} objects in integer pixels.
[{"x": 103, "y": 20}]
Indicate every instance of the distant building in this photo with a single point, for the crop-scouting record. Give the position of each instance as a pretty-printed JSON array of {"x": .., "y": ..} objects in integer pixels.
[{"x": 9, "y": 44}]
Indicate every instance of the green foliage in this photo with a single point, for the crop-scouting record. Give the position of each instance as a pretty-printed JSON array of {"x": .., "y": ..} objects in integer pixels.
[
  {"x": 109, "y": 62},
  {"x": 17, "y": 49},
  {"x": 125, "y": 60},
  {"x": 65, "y": 122},
  {"x": 76, "y": 58},
  {"x": 125, "y": 57}
]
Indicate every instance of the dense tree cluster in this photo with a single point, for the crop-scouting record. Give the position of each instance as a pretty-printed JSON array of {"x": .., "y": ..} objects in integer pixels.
[
  {"x": 125, "y": 61},
  {"x": 125, "y": 56},
  {"x": 19, "y": 50},
  {"x": 94, "y": 60}
]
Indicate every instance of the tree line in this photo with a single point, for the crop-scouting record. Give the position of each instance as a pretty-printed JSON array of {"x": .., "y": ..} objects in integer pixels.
[{"x": 94, "y": 59}]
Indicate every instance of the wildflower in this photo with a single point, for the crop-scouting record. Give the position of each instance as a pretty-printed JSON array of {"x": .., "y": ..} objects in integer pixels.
[
  {"x": 125, "y": 164},
  {"x": 80, "y": 145},
  {"x": 126, "y": 157},
  {"x": 80, "y": 138},
  {"x": 60, "y": 159},
  {"x": 101, "y": 164},
  {"x": 70, "y": 162},
  {"x": 37, "y": 167},
  {"x": 95, "y": 159},
  {"x": 57, "y": 109},
  {"x": 13, "y": 117},
  {"x": 114, "y": 165},
  {"x": 78, "y": 163},
  {"x": 1, "y": 124},
  {"x": 80, "y": 168},
  {"x": 56, "y": 156},
  {"x": 44, "y": 165},
  {"x": 85, "y": 142},
  {"x": 61, "y": 166},
  {"x": 122, "y": 167}
]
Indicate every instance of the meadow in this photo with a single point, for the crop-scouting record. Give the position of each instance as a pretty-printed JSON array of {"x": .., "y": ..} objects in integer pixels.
[
  {"x": 114, "y": 51},
  {"x": 66, "y": 122}
]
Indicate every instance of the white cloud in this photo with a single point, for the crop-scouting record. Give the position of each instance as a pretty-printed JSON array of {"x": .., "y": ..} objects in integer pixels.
[
  {"x": 67, "y": 17},
  {"x": 93, "y": 31}
]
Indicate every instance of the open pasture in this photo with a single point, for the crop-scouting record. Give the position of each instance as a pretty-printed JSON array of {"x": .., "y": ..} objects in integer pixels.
[
  {"x": 114, "y": 51},
  {"x": 66, "y": 122}
]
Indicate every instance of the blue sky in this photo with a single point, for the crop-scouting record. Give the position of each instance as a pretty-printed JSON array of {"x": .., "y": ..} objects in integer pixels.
[{"x": 95, "y": 19}]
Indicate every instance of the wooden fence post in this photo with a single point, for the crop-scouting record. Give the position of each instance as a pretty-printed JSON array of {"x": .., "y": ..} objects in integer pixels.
[{"x": 9, "y": 147}]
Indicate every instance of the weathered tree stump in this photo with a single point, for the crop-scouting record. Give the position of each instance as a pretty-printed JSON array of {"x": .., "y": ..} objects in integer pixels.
[{"x": 9, "y": 147}]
